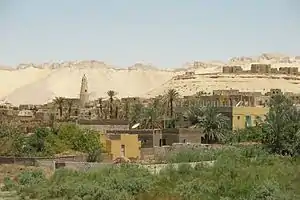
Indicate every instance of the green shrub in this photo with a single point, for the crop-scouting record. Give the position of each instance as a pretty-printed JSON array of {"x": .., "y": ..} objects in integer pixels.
[{"x": 239, "y": 173}]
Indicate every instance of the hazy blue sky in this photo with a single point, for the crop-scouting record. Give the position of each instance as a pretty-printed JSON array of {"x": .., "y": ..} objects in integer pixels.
[{"x": 162, "y": 32}]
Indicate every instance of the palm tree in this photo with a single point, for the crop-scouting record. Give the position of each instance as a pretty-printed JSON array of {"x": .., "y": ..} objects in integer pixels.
[
  {"x": 100, "y": 105},
  {"x": 213, "y": 123},
  {"x": 135, "y": 113},
  {"x": 59, "y": 101},
  {"x": 171, "y": 96},
  {"x": 100, "y": 110},
  {"x": 126, "y": 109},
  {"x": 281, "y": 127},
  {"x": 70, "y": 104},
  {"x": 111, "y": 95},
  {"x": 192, "y": 114},
  {"x": 117, "y": 112},
  {"x": 151, "y": 117}
]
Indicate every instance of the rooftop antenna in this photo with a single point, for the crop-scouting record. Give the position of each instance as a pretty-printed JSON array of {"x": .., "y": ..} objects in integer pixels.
[{"x": 135, "y": 125}]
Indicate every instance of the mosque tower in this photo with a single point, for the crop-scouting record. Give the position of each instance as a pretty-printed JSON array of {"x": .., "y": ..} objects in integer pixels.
[{"x": 84, "y": 95}]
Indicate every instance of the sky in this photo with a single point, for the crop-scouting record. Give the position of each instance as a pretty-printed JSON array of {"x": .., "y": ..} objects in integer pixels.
[{"x": 165, "y": 33}]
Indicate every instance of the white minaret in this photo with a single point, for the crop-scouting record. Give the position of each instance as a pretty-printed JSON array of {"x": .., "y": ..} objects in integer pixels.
[{"x": 84, "y": 95}]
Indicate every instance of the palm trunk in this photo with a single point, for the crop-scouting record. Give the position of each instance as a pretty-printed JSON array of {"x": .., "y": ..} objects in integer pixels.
[
  {"x": 171, "y": 108},
  {"x": 60, "y": 111},
  {"x": 69, "y": 112},
  {"x": 116, "y": 112},
  {"x": 111, "y": 108}
]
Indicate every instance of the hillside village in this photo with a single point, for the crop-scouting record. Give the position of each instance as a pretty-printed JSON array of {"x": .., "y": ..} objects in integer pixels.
[
  {"x": 112, "y": 116},
  {"x": 152, "y": 132}
]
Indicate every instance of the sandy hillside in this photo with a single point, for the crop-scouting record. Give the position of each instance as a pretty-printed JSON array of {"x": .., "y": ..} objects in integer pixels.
[
  {"x": 208, "y": 83},
  {"x": 41, "y": 85},
  {"x": 38, "y": 84}
]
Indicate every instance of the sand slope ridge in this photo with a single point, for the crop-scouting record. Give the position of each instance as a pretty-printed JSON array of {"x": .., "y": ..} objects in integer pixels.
[
  {"x": 66, "y": 82},
  {"x": 40, "y": 83}
]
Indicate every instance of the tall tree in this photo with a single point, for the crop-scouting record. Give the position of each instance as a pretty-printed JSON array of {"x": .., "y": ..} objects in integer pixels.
[
  {"x": 126, "y": 109},
  {"x": 214, "y": 124},
  {"x": 111, "y": 95},
  {"x": 59, "y": 102},
  {"x": 100, "y": 101},
  {"x": 100, "y": 108},
  {"x": 170, "y": 97},
  {"x": 70, "y": 103},
  {"x": 135, "y": 113},
  {"x": 151, "y": 116},
  {"x": 281, "y": 128}
]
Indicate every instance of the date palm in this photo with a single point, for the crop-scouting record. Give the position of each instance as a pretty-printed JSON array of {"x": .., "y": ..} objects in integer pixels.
[
  {"x": 59, "y": 102},
  {"x": 70, "y": 103},
  {"x": 111, "y": 95},
  {"x": 170, "y": 97},
  {"x": 214, "y": 124},
  {"x": 100, "y": 110}
]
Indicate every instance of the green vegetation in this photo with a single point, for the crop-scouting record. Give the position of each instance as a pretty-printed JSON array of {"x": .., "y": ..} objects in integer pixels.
[
  {"x": 239, "y": 173},
  {"x": 268, "y": 170},
  {"x": 48, "y": 142}
]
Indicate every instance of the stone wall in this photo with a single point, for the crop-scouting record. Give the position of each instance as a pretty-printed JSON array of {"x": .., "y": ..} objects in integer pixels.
[
  {"x": 147, "y": 153},
  {"x": 32, "y": 160},
  {"x": 103, "y": 128},
  {"x": 85, "y": 166},
  {"x": 161, "y": 152}
]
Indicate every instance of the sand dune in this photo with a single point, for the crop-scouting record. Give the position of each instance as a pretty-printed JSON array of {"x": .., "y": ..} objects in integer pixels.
[
  {"x": 66, "y": 82},
  {"x": 38, "y": 84}
]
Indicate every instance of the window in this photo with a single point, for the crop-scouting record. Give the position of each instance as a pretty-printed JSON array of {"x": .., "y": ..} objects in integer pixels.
[
  {"x": 248, "y": 121},
  {"x": 162, "y": 142},
  {"x": 238, "y": 117}
]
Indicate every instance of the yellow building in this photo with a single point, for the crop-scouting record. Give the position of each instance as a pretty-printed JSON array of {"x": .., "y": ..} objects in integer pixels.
[
  {"x": 121, "y": 145},
  {"x": 243, "y": 117}
]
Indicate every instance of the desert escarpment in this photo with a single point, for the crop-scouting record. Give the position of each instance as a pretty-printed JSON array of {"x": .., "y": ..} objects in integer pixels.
[{"x": 38, "y": 84}]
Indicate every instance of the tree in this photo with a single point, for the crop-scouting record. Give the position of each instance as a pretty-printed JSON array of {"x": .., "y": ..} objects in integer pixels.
[
  {"x": 214, "y": 124},
  {"x": 111, "y": 95},
  {"x": 170, "y": 97},
  {"x": 100, "y": 102},
  {"x": 135, "y": 113},
  {"x": 193, "y": 113},
  {"x": 59, "y": 102},
  {"x": 70, "y": 104},
  {"x": 126, "y": 107},
  {"x": 151, "y": 118},
  {"x": 281, "y": 128}
]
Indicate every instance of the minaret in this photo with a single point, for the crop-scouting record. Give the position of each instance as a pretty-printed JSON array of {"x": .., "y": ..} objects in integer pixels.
[{"x": 84, "y": 95}]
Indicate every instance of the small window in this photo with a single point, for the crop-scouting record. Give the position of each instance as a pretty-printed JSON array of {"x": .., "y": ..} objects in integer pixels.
[
  {"x": 248, "y": 122},
  {"x": 238, "y": 117},
  {"x": 184, "y": 140},
  {"x": 85, "y": 90}
]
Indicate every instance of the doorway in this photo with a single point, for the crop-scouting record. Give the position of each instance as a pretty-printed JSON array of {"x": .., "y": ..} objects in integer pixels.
[
  {"x": 162, "y": 142},
  {"x": 122, "y": 150}
]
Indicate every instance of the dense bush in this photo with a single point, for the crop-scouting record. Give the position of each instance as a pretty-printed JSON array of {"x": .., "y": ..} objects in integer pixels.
[
  {"x": 47, "y": 142},
  {"x": 238, "y": 173}
]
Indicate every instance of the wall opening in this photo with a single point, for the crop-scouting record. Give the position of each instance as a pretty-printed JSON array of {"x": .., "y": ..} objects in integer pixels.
[
  {"x": 162, "y": 142},
  {"x": 122, "y": 150},
  {"x": 248, "y": 121}
]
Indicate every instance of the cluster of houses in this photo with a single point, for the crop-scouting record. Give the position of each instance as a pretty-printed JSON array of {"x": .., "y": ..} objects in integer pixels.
[
  {"x": 261, "y": 69},
  {"x": 119, "y": 139}
]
